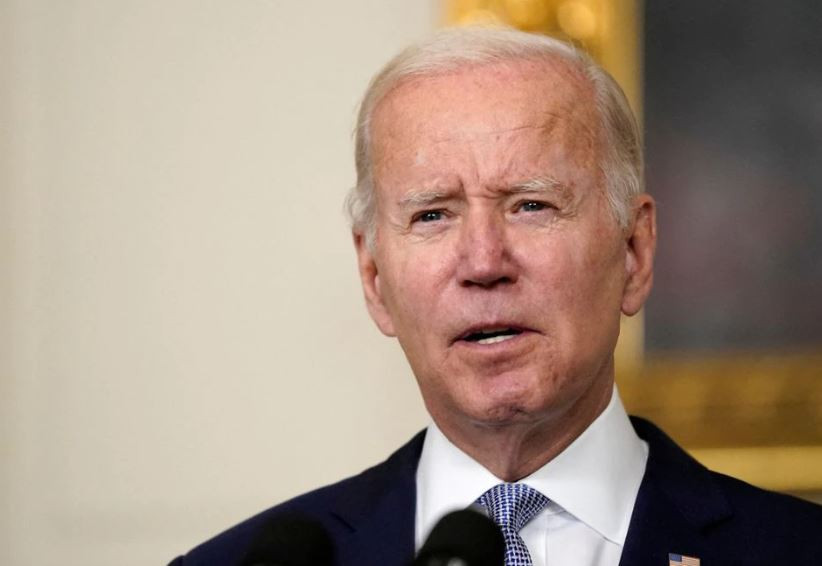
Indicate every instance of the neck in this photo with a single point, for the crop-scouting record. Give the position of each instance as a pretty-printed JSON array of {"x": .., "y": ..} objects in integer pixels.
[{"x": 514, "y": 450}]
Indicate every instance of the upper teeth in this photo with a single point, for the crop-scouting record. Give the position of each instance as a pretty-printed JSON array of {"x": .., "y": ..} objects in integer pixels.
[{"x": 495, "y": 339}]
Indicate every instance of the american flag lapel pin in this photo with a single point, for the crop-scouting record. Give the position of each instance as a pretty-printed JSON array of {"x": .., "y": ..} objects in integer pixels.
[{"x": 682, "y": 560}]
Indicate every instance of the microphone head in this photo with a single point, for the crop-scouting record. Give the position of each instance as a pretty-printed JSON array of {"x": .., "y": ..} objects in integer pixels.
[
  {"x": 291, "y": 540},
  {"x": 463, "y": 537}
]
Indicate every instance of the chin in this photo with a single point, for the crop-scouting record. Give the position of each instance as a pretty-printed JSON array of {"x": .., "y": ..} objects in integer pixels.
[
  {"x": 511, "y": 407},
  {"x": 505, "y": 415},
  {"x": 525, "y": 400}
]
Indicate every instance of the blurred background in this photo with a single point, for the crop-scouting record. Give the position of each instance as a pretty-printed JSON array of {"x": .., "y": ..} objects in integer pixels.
[{"x": 182, "y": 336}]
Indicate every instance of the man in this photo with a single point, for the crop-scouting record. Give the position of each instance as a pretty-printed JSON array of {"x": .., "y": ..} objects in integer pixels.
[{"x": 501, "y": 231}]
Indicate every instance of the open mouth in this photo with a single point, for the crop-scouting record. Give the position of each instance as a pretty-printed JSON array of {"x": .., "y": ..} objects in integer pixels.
[{"x": 491, "y": 335}]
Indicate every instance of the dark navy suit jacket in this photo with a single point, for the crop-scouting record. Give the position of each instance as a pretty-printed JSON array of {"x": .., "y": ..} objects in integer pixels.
[{"x": 681, "y": 508}]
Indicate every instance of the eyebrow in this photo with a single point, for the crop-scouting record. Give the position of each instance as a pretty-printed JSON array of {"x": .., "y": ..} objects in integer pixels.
[
  {"x": 545, "y": 184},
  {"x": 542, "y": 184},
  {"x": 421, "y": 198}
]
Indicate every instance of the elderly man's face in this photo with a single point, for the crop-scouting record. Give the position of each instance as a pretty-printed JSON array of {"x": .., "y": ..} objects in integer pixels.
[{"x": 498, "y": 264}]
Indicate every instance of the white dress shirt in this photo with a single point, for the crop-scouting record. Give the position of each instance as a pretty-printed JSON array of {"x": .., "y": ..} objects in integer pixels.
[{"x": 592, "y": 485}]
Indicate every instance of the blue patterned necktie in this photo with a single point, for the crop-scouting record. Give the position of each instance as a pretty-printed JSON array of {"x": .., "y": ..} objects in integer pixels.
[{"x": 511, "y": 506}]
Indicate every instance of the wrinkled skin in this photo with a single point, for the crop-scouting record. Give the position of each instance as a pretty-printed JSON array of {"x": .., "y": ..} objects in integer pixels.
[{"x": 491, "y": 215}]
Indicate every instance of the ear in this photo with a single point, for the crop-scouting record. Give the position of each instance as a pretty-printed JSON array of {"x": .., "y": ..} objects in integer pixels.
[
  {"x": 639, "y": 261},
  {"x": 370, "y": 279}
]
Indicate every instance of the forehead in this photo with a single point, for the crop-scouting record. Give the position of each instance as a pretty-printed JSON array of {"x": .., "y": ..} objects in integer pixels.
[{"x": 550, "y": 101}]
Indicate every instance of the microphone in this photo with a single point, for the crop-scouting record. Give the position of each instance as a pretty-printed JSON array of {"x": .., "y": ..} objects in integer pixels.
[
  {"x": 291, "y": 540},
  {"x": 463, "y": 538}
]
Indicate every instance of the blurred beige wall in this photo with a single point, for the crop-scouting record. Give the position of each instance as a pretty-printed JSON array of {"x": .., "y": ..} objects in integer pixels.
[{"x": 183, "y": 336}]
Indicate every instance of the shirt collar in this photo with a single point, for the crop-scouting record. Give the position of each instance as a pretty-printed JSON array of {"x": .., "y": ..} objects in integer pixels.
[{"x": 596, "y": 478}]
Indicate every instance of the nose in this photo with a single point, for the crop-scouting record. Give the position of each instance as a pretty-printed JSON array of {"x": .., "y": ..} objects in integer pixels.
[{"x": 485, "y": 258}]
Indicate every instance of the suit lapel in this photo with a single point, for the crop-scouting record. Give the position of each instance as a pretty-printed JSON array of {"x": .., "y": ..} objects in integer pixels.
[
  {"x": 677, "y": 503},
  {"x": 379, "y": 508}
]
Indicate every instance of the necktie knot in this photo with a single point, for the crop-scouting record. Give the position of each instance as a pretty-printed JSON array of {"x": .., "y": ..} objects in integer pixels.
[{"x": 512, "y": 505}]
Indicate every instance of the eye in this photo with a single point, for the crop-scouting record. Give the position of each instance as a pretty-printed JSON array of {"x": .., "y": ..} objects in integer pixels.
[
  {"x": 429, "y": 216},
  {"x": 531, "y": 206}
]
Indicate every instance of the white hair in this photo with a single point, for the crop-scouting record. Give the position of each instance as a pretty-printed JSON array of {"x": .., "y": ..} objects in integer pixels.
[{"x": 451, "y": 49}]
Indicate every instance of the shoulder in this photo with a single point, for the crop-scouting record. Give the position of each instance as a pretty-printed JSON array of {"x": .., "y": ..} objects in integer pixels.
[
  {"x": 768, "y": 513},
  {"x": 337, "y": 507},
  {"x": 681, "y": 501},
  {"x": 766, "y": 527}
]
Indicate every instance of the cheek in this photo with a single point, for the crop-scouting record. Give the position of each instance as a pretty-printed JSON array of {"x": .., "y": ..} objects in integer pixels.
[
  {"x": 413, "y": 292},
  {"x": 597, "y": 298},
  {"x": 579, "y": 281}
]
